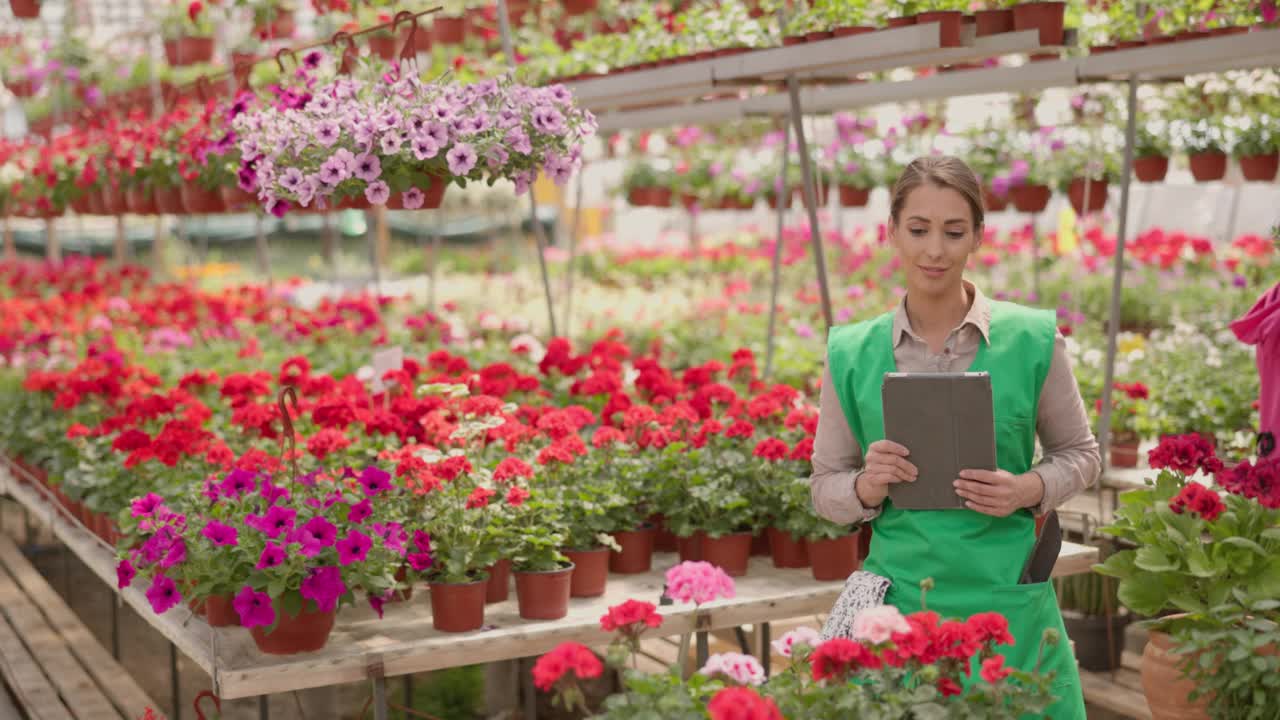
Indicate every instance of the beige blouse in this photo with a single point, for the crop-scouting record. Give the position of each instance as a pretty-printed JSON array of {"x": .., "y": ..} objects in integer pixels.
[{"x": 1071, "y": 461}]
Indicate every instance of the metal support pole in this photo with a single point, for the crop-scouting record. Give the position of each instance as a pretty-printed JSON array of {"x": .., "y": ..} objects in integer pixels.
[
  {"x": 766, "y": 650},
  {"x": 1236, "y": 192},
  {"x": 372, "y": 241},
  {"x": 508, "y": 50},
  {"x": 435, "y": 264},
  {"x": 573, "y": 256},
  {"x": 408, "y": 691},
  {"x": 260, "y": 241},
  {"x": 174, "y": 685},
  {"x": 777, "y": 257},
  {"x": 1117, "y": 282},
  {"x": 1035, "y": 254},
  {"x": 329, "y": 248},
  {"x": 52, "y": 248},
  {"x": 119, "y": 247},
  {"x": 10, "y": 248},
  {"x": 810, "y": 199},
  {"x": 264, "y": 707},
  {"x": 380, "y": 697}
]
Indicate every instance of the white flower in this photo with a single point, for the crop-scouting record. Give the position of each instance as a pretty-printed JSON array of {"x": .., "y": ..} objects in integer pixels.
[
  {"x": 740, "y": 668},
  {"x": 803, "y": 636},
  {"x": 876, "y": 625},
  {"x": 1092, "y": 357}
]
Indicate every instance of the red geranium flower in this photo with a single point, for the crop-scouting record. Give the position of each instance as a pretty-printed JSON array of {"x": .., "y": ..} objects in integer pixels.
[
  {"x": 771, "y": 449},
  {"x": 742, "y": 703},
  {"x": 631, "y": 617},
  {"x": 511, "y": 468},
  {"x": 1200, "y": 500},
  {"x": 993, "y": 669},
  {"x": 838, "y": 657},
  {"x": 564, "y": 658},
  {"x": 479, "y": 498}
]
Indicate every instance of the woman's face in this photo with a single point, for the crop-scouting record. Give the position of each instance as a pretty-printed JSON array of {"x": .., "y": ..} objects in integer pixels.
[{"x": 934, "y": 236}]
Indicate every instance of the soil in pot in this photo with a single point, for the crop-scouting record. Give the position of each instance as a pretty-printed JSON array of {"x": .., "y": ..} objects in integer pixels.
[
  {"x": 835, "y": 559},
  {"x": 1089, "y": 633},
  {"x": 1030, "y": 198},
  {"x": 590, "y": 572},
  {"x": 1260, "y": 168},
  {"x": 1150, "y": 169},
  {"x": 730, "y": 553},
  {"x": 1166, "y": 689},
  {"x": 1124, "y": 455},
  {"x": 457, "y": 607},
  {"x": 1097, "y": 195},
  {"x": 993, "y": 22},
  {"x": 1046, "y": 17},
  {"x": 949, "y": 25},
  {"x": 637, "y": 552},
  {"x": 307, "y": 631},
  {"x": 1206, "y": 167},
  {"x": 219, "y": 611},
  {"x": 854, "y": 197},
  {"x": 498, "y": 587},
  {"x": 544, "y": 595},
  {"x": 787, "y": 550}
]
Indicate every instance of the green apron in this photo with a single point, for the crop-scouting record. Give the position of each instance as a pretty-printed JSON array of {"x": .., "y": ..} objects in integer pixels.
[{"x": 975, "y": 560}]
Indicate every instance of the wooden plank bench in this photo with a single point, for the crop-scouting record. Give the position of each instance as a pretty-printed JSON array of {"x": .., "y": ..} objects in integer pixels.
[{"x": 54, "y": 666}]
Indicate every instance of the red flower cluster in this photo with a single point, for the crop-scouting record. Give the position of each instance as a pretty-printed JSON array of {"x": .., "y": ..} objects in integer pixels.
[
  {"x": 631, "y": 617},
  {"x": 1259, "y": 482},
  {"x": 928, "y": 642},
  {"x": 742, "y": 703},
  {"x": 1135, "y": 391},
  {"x": 564, "y": 658},
  {"x": 1200, "y": 500},
  {"x": 1186, "y": 454}
]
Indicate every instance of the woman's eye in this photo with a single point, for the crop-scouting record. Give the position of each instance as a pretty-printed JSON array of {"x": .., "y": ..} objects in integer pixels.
[
  {"x": 918, "y": 232},
  {"x": 956, "y": 235}
]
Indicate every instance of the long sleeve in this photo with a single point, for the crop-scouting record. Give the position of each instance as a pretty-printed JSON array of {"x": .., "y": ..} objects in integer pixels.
[
  {"x": 837, "y": 460},
  {"x": 1071, "y": 460}
]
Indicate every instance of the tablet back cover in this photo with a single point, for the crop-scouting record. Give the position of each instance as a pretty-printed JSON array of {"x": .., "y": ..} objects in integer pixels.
[{"x": 947, "y": 423}]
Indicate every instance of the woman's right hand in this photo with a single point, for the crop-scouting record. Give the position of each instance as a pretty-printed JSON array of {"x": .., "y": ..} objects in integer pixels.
[{"x": 886, "y": 463}]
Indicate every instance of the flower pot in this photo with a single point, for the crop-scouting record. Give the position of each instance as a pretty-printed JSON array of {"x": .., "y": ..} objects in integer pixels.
[
  {"x": 188, "y": 50},
  {"x": 993, "y": 22},
  {"x": 590, "y": 572},
  {"x": 817, "y": 35},
  {"x": 851, "y": 30},
  {"x": 199, "y": 201},
  {"x": 1260, "y": 168},
  {"x": 690, "y": 547},
  {"x": 1043, "y": 16},
  {"x": 835, "y": 559},
  {"x": 457, "y": 607},
  {"x": 198, "y": 607},
  {"x": 1097, "y": 195},
  {"x": 787, "y": 550},
  {"x": 168, "y": 200},
  {"x": 97, "y": 206},
  {"x": 140, "y": 201},
  {"x": 81, "y": 204},
  {"x": 730, "y": 553},
  {"x": 636, "y": 555},
  {"x": 760, "y": 545},
  {"x": 405, "y": 593},
  {"x": 1209, "y": 166},
  {"x": 1166, "y": 689},
  {"x": 21, "y": 88},
  {"x": 498, "y": 586},
  {"x": 113, "y": 200},
  {"x": 237, "y": 200},
  {"x": 1124, "y": 454},
  {"x": 281, "y": 26},
  {"x": 854, "y": 197},
  {"x": 902, "y": 21},
  {"x": 1089, "y": 634},
  {"x": 775, "y": 200},
  {"x": 307, "y": 631},
  {"x": 636, "y": 197},
  {"x": 660, "y": 197},
  {"x": 219, "y": 611},
  {"x": 1030, "y": 198},
  {"x": 1150, "y": 169},
  {"x": 992, "y": 201},
  {"x": 663, "y": 539},
  {"x": 386, "y": 47},
  {"x": 448, "y": 30},
  {"x": 793, "y": 40},
  {"x": 822, "y": 195},
  {"x": 432, "y": 195},
  {"x": 544, "y": 595},
  {"x": 25, "y": 9},
  {"x": 579, "y": 7},
  {"x": 948, "y": 24}
]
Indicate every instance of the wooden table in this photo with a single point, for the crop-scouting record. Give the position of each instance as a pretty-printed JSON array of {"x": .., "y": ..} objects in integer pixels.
[{"x": 362, "y": 646}]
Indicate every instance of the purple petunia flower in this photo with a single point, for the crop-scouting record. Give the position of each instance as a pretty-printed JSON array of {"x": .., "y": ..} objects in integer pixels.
[
  {"x": 125, "y": 573},
  {"x": 438, "y": 132},
  {"x": 375, "y": 480},
  {"x": 327, "y": 133},
  {"x": 391, "y": 143},
  {"x": 163, "y": 594},
  {"x": 413, "y": 198},
  {"x": 255, "y": 608},
  {"x": 523, "y": 180},
  {"x": 272, "y": 555},
  {"x": 378, "y": 602},
  {"x": 277, "y": 520},
  {"x": 221, "y": 534},
  {"x": 146, "y": 505},
  {"x": 518, "y": 140},
  {"x": 558, "y": 168},
  {"x": 247, "y": 179},
  {"x": 422, "y": 540},
  {"x": 377, "y": 193},
  {"x": 311, "y": 60},
  {"x": 419, "y": 561},
  {"x": 334, "y": 170},
  {"x": 548, "y": 120},
  {"x": 496, "y": 157},
  {"x": 323, "y": 586},
  {"x": 368, "y": 168},
  {"x": 325, "y": 532},
  {"x": 291, "y": 179},
  {"x": 353, "y": 548},
  {"x": 424, "y": 147},
  {"x": 360, "y": 511},
  {"x": 462, "y": 159},
  {"x": 279, "y": 207},
  {"x": 176, "y": 554}
]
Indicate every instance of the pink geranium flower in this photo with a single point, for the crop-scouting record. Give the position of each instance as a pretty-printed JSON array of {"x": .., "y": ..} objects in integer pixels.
[
  {"x": 878, "y": 624},
  {"x": 741, "y": 669},
  {"x": 698, "y": 583}
]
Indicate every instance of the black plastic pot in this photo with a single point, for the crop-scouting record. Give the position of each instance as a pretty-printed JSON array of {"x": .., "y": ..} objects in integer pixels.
[{"x": 1089, "y": 633}]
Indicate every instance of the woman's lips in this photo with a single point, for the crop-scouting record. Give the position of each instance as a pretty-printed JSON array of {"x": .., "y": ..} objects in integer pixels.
[{"x": 932, "y": 272}]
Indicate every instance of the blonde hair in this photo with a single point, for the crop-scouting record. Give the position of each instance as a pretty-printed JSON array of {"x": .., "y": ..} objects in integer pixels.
[{"x": 944, "y": 171}]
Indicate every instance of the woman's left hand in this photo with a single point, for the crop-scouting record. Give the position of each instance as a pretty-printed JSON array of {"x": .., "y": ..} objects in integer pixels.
[{"x": 999, "y": 492}]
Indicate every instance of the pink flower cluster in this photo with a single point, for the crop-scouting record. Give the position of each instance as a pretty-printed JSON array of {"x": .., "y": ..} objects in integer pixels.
[
  {"x": 698, "y": 583},
  {"x": 739, "y": 668}
]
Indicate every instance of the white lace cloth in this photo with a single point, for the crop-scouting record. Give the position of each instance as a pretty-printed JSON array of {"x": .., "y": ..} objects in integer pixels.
[{"x": 861, "y": 591}]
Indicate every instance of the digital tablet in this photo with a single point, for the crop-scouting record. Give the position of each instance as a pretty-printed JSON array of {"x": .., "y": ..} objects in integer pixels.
[{"x": 947, "y": 422}]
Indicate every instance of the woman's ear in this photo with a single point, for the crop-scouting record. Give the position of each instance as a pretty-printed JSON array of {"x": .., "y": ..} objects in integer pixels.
[{"x": 979, "y": 232}]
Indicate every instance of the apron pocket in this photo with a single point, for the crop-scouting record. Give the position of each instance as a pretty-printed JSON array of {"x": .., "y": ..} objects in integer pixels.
[{"x": 1031, "y": 609}]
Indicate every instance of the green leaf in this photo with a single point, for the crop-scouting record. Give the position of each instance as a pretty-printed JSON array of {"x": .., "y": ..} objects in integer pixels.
[
  {"x": 1144, "y": 594},
  {"x": 1154, "y": 560},
  {"x": 1200, "y": 564},
  {"x": 1247, "y": 544},
  {"x": 1120, "y": 565}
]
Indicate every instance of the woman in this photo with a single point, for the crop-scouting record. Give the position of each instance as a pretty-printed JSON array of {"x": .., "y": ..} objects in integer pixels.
[{"x": 944, "y": 324}]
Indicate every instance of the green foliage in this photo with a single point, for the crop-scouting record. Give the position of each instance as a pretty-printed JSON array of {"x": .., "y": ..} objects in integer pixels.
[
  {"x": 1260, "y": 137},
  {"x": 1234, "y": 663},
  {"x": 456, "y": 693}
]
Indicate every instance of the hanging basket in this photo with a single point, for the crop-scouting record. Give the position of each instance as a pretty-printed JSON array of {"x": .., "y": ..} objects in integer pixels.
[
  {"x": 854, "y": 197},
  {"x": 236, "y": 200},
  {"x": 432, "y": 196},
  {"x": 1150, "y": 169},
  {"x": 25, "y": 9},
  {"x": 1207, "y": 167},
  {"x": 1097, "y": 195},
  {"x": 307, "y": 631},
  {"x": 21, "y": 88},
  {"x": 448, "y": 30},
  {"x": 199, "y": 201},
  {"x": 992, "y": 201},
  {"x": 188, "y": 51},
  {"x": 1030, "y": 198}
]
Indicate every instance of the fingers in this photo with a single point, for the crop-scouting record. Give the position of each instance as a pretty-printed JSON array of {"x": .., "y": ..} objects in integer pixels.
[
  {"x": 894, "y": 467},
  {"x": 981, "y": 491},
  {"x": 993, "y": 510},
  {"x": 983, "y": 476},
  {"x": 888, "y": 446},
  {"x": 894, "y": 461}
]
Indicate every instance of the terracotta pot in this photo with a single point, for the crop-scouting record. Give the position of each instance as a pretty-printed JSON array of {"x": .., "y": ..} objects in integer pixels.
[
  {"x": 405, "y": 593},
  {"x": 902, "y": 21},
  {"x": 590, "y": 572},
  {"x": 852, "y": 30},
  {"x": 387, "y": 47},
  {"x": 1150, "y": 169},
  {"x": 663, "y": 539},
  {"x": 21, "y": 88},
  {"x": 1260, "y": 168},
  {"x": 579, "y": 7},
  {"x": 188, "y": 50},
  {"x": 168, "y": 200},
  {"x": 1042, "y": 57},
  {"x": 992, "y": 201},
  {"x": 1097, "y": 195},
  {"x": 113, "y": 200},
  {"x": 517, "y": 8},
  {"x": 80, "y": 204},
  {"x": 140, "y": 201},
  {"x": 835, "y": 559},
  {"x": 690, "y": 547},
  {"x": 660, "y": 197},
  {"x": 853, "y": 197},
  {"x": 281, "y": 26},
  {"x": 457, "y": 607},
  {"x": 1030, "y": 198},
  {"x": 219, "y": 611},
  {"x": 1043, "y": 16},
  {"x": 1101, "y": 49},
  {"x": 199, "y": 607},
  {"x": 1124, "y": 455},
  {"x": 97, "y": 206},
  {"x": 949, "y": 25},
  {"x": 307, "y": 631},
  {"x": 448, "y": 30},
  {"x": 637, "y": 551},
  {"x": 793, "y": 40},
  {"x": 498, "y": 586},
  {"x": 1206, "y": 167},
  {"x": 432, "y": 195},
  {"x": 25, "y": 9},
  {"x": 1166, "y": 689},
  {"x": 760, "y": 545},
  {"x": 1162, "y": 40},
  {"x": 199, "y": 201},
  {"x": 817, "y": 35},
  {"x": 787, "y": 550},
  {"x": 1129, "y": 44},
  {"x": 993, "y": 22},
  {"x": 236, "y": 200},
  {"x": 730, "y": 553},
  {"x": 636, "y": 197},
  {"x": 544, "y": 595}
]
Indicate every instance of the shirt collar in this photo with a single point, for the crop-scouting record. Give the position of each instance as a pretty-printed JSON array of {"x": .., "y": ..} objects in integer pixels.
[{"x": 979, "y": 316}]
